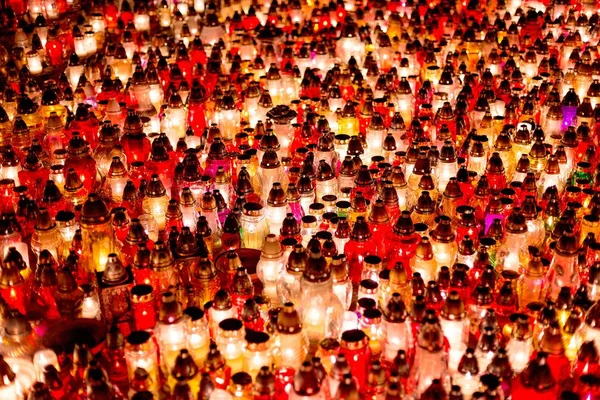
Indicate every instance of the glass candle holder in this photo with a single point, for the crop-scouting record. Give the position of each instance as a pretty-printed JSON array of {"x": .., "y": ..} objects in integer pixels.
[
  {"x": 143, "y": 307},
  {"x": 455, "y": 326},
  {"x": 257, "y": 353},
  {"x": 291, "y": 348},
  {"x": 41, "y": 359},
  {"x": 354, "y": 345},
  {"x": 114, "y": 285},
  {"x": 230, "y": 340},
  {"x": 141, "y": 352},
  {"x": 254, "y": 226},
  {"x": 222, "y": 308},
  {"x": 270, "y": 265},
  {"x": 156, "y": 201},
  {"x": 98, "y": 235},
  {"x": 198, "y": 334},
  {"x": 67, "y": 226},
  {"x": 91, "y": 302},
  {"x": 371, "y": 324},
  {"x": 322, "y": 312},
  {"x": 171, "y": 330},
  {"x": 396, "y": 328},
  {"x": 25, "y": 375},
  {"x": 520, "y": 344}
]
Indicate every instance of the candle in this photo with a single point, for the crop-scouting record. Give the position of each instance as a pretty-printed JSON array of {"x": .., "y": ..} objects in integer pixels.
[
  {"x": 257, "y": 353},
  {"x": 141, "y": 352},
  {"x": 198, "y": 334},
  {"x": 42, "y": 358},
  {"x": 230, "y": 340},
  {"x": 34, "y": 63},
  {"x": 25, "y": 376}
]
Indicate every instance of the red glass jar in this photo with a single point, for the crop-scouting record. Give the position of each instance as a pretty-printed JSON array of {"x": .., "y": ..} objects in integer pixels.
[
  {"x": 196, "y": 117},
  {"x": 134, "y": 141},
  {"x": 113, "y": 357},
  {"x": 80, "y": 159},
  {"x": 379, "y": 224},
  {"x": 86, "y": 124},
  {"x": 231, "y": 239},
  {"x": 54, "y": 49},
  {"x": 33, "y": 175},
  {"x": 143, "y": 306},
  {"x": 142, "y": 274},
  {"x": 535, "y": 382},
  {"x": 284, "y": 379},
  {"x": 403, "y": 241},
  {"x": 242, "y": 289},
  {"x": 354, "y": 344},
  {"x": 45, "y": 284},
  {"x": 467, "y": 224},
  {"x": 587, "y": 360},
  {"x": 161, "y": 163},
  {"x": 360, "y": 245}
]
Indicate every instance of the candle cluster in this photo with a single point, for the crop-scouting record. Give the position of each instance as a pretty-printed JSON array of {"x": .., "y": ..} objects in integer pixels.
[{"x": 300, "y": 200}]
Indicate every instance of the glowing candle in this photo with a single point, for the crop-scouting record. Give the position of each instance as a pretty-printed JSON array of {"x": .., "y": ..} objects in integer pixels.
[{"x": 42, "y": 358}]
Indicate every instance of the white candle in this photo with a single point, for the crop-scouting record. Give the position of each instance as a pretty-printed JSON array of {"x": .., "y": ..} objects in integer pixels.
[
  {"x": 142, "y": 22},
  {"x": 34, "y": 63},
  {"x": 42, "y": 358},
  {"x": 25, "y": 376},
  {"x": 350, "y": 321},
  {"x": 91, "y": 307}
]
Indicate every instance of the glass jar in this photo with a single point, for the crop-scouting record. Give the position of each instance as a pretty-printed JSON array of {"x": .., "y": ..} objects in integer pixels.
[
  {"x": 532, "y": 284},
  {"x": 13, "y": 287},
  {"x": 396, "y": 329},
  {"x": 143, "y": 307},
  {"x": 354, "y": 345},
  {"x": 512, "y": 253},
  {"x": 563, "y": 270},
  {"x": 288, "y": 284},
  {"x": 134, "y": 141},
  {"x": 80, "y": 159},
  {"x": 163, "y": 275},
  {"x": 141, "y": 352},
  {"x": 276, "y": 209},
  {"x": 221, "y": 309},
  {"x": 46, "y": 235},
  {"x": 204, "y": 281},
  {"x": 455, "y": 326},
  {"x": 257, "y": 353},
  {"x": 291, "y": 344},
  {"x": 170, "y": 329},
  {"x": 156, "y": 201},
  {"x": 342, "y": 285},
  {"x": 67, "y": 226},
  {"x": 430, "y": 360},
  {"x": 116, "y": 179},
  {"x": 270, "y": 265},
  {"x": 114, "y": 286},
  {"x": 97, "y": 232},
  {"x": 371, "y": 324},
  {"x": 254, "y": 226},
  {"x": 230, "y": 340},
  {"x": 423, "y": 260},
  {"x": 322, "y": 312},
  {"x": 520, "y": 345},
  {"x": 108, "y": 148},
  {"x": 227, "y": 116},
  {"x": 361, "y": 244}
]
